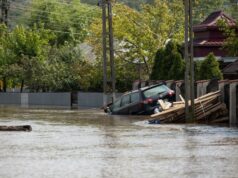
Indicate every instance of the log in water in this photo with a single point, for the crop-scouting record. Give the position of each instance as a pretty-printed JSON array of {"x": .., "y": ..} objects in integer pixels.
[{"x": 26, "y": 128}]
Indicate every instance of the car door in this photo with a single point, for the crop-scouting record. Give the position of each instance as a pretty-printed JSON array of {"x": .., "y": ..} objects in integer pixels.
[
  {"x": 135, "y": 106},
  {"x": 125, "y": 101}
]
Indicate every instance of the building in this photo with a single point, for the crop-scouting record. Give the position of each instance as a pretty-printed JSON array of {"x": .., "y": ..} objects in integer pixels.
[
  {"x": 208, "y": 38},
  {"x": 231, "y": 71}
]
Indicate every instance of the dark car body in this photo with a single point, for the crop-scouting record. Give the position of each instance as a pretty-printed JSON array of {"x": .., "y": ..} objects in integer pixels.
[{"x": 142, "y": 101}]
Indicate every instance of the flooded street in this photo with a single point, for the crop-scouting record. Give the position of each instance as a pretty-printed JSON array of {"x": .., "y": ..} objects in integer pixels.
[{"x": 90, "y": 144}]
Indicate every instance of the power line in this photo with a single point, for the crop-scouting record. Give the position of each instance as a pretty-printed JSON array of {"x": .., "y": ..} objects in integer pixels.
[
  {"x": 25, "y": 8},
  {"x": 51, "y": 17},
  {"x": 88, "y": 8},
  {"x": 52, "y": 26},
  {"x": 59, "y": 31}
]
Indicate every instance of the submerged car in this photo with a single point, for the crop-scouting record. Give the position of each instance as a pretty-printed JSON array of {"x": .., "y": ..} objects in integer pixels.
[{"x": 143, "y": 101}]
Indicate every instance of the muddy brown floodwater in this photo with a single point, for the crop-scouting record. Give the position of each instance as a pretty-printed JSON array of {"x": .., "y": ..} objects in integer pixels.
[{"x": 90, "y": 144}]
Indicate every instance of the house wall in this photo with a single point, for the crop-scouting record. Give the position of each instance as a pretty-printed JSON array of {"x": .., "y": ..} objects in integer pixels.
[
  {"x": 202, "y": 51},
  {"x": 212, "y": 34}
]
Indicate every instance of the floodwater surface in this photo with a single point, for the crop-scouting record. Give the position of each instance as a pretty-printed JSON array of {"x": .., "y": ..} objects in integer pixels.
[{"x": 90, "y": 144}]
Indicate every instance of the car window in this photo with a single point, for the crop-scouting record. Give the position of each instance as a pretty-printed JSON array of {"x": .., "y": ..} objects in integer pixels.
[
  {"x": 155, "y": 91},
  {"x": 117, "y": 104},
  {"x": 135, "y": 97},
  {"x": 125, "y": 100}
]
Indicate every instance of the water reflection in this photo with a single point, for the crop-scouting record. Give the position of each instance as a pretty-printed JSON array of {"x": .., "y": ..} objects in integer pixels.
[{"x": 89, "y": 143}]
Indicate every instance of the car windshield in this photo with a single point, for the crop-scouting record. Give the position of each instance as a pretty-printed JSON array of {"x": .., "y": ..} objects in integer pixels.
[{"x": 155, "y": 91}]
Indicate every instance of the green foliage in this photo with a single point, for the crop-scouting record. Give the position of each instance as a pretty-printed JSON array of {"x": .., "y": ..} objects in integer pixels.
[
  {"x": 46, "y": 54},
  {"x": 68, "y": 21},
  {"x": 135, "y": 4},
  {"x": 20, "y": 50},
  {"x": 168, "y": 63},
  {"x": 203, "y": 8},
  {"x": 210, "y": 68},
  {"x": 138, "y": 34},
  {"x": 197, "y": 66},
  {"x": 69, "y": 71},
  {"x": 231, "y": 42}
]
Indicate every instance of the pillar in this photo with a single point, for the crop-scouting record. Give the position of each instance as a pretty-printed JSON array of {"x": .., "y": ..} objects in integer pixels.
[
  {"x": 178, "y": 89},
  {"x": 202, "y": 87},
  {"x": 221, "y": 87},
  {"x": 233, "y": 103},
  {"x": 24, "y": 99}
]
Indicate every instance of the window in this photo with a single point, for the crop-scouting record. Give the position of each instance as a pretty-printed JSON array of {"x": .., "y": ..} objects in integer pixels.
[
  {"x": 135, "y": 97},
  {"x": 117, "y": 104},
  {"x": 155, "y": 91},
  {"x": 125, "y": 100}
]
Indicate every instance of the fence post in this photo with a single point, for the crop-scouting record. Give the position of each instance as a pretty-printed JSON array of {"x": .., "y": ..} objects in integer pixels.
[
  {"x": 201, "y": 87},
  {"x": 178, "y": 89},
  {"x": 221, "y": 87},
  {"x": 24, "y": 99}
]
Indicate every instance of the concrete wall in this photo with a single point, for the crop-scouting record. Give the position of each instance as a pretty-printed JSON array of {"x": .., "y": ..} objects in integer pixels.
[
  {"x": 50, "y": 99},
  {"x": 92, "y": 100},
  {"x": 36, "y": 99},
  {"x": 10, "y": 98}
]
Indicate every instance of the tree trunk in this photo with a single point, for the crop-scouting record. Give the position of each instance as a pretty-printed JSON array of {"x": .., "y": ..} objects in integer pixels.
[
  {"x": 147, "y": 66},
  {"x": 4, "y": 82},
  {"x": 22, "y": 85}
]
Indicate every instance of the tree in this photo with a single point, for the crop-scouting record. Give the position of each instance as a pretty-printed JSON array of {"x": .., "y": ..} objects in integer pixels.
[
  {"x": 210, "y": 68},
  {"x": 168, "y": 63},
  {"x": 157, "y": 73},
  {"x": 6, "y": 57},
  {"x": 135, "y": 4},
  {"x": 30, "y": 48},
  {"x": 69, "y": 21},
  {"x": 138, "y": 34},
  {"x": 21, "y": 49},
  {"x": 65, "y": 70},
  {"x": 231, "y": 34},
  {"x": 202, "y": 9}
]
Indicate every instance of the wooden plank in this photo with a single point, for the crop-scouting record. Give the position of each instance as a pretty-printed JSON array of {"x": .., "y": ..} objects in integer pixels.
[
  {"x": 204, "y": 107},
  {"x": 217, "y": 107},
  {"x": 180, "y": 96},
  {"x": 178, "y": 102},
  {"x": 220, "y": 120},
  {"x": 173, "y": 109},
  {"x": 209, "y": 94}
]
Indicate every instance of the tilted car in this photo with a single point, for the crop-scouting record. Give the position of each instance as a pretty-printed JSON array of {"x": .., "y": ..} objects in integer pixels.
[{"x": 142, "y": 101}]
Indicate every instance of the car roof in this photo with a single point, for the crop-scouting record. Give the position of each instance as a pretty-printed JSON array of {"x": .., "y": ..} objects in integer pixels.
[{"x": 143, "y": 88}]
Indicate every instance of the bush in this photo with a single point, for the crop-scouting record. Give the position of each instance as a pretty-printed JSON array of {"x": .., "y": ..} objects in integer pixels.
[
  {"x": 210, "y": 68},
  {"x": 168, "y": 63}
]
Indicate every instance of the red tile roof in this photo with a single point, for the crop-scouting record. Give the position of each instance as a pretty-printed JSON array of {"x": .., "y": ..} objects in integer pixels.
[{"x": 211, "y": 21}]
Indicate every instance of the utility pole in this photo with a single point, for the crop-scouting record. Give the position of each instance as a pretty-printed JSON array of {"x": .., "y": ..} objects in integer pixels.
[
  {"x": 189, "y": 73},
  {"x": 5, "y": 5},
  {"x": 109, "y": 84}
]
